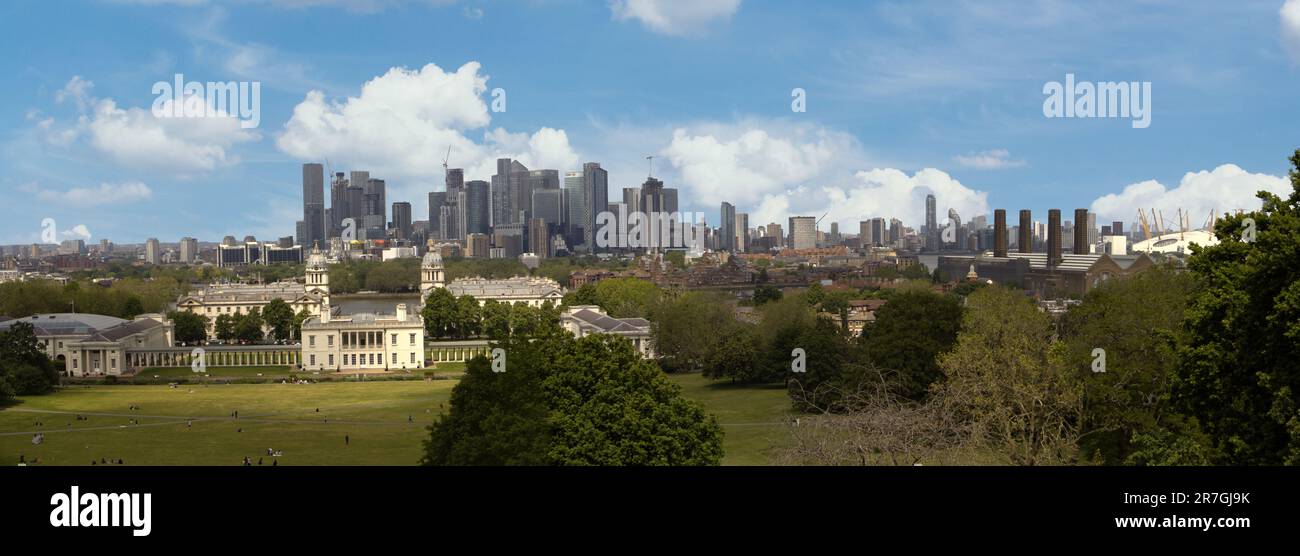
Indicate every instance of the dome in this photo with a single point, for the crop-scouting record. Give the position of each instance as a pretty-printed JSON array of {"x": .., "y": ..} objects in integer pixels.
[
  {"x": 432, "y": 259},
  {"x": 317, "y": 259}
]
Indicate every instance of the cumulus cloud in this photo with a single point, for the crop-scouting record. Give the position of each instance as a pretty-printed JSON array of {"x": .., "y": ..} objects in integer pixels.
[
  {"x": 1290, "y": 18},
  {"x": 105, "y": 193},
  {"x": 135, "y": 137},
  {"x": 773, "y": 170},
  {"x": 674, "y": 17},
  {"x": 76, "y": 232},
  {"x": 1222, "y": 189},
  {"x": 400, "y": 126},
  {"x": 995, "y": 159}
]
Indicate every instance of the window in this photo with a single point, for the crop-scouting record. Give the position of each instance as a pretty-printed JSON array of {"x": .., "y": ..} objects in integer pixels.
[
  {"x": 412, "y": 356},
  {"x": 412, "y": 338},
  {"x": 394, "y": 339},
  {"x": 329, "y": 340},
  {"x": 311, "y": 340},
  {"x": 312, "y": 359},
  {"x": 331, "y": 360},
  {"x": 394, "y": 359}
]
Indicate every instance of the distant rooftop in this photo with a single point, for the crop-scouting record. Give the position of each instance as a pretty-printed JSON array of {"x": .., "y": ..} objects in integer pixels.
[{"x": 66, "y": 324}]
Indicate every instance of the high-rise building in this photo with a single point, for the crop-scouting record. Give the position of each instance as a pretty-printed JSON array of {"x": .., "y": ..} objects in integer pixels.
[
  {"x": 500, "y": 193},
  {"x": 878, "y": 231},
  {"x": 477, "y": 207},
  {"x": 931, "y": 224},
  {"x": 803, "y": 232},
  {"x": 575, "y": 213},
  {"x": 402, "y": 220},
  {"x": 539, "y": 235},
  {"x": 476, "y": 246},
  {"x": 338, "y": 209},
  {"x": 864, "y": 234},
  {"x": 153, "y": 250},
  {"x": 727, "y": 228},
  {"x": 774, "y": 231},
  {"x": 313, "y": 201},
  {"x": 436, "y": 200},
  {"x": 189, "y": 250},
  {"x": 595, "y": 191},
  {"x": 548, "y": 205},
  {"x": 742, "y": 232}
]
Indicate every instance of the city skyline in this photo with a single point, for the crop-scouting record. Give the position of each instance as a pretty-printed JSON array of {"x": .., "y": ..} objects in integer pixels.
[{"x": 888, "y": 121}]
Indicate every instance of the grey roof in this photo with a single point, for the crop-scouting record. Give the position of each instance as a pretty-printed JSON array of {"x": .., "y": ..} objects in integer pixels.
[
  {"x": 519, "y": 286},
  {"x": 123, "y": 330},
  {"x": 608, "y": 324},
  {"x": 66, "y": 324}
]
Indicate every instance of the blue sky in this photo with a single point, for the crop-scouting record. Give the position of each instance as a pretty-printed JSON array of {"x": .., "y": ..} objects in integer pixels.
[{"x": 903, "y": 99}]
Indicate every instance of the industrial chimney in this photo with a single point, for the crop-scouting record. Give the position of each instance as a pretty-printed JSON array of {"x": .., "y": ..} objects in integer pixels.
[
  {"x": 1053, "y": 237},
  {"x": 1081, "y": 244},
  {"x": 1000, "y": 233},
  {"x": 1026, "y": 232}
]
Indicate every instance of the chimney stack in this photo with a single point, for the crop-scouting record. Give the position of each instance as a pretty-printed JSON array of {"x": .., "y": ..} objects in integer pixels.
[
  {"x": 1053, "y": 237},
  {"x": 1026, "y": 232},
  {"x": 1081, "y": 246},
  {"x": 1000, "y": 233}
]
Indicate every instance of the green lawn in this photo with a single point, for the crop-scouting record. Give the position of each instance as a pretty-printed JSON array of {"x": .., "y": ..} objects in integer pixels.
[
  {"x": 753, "y": 418},
  {"x": 281, "y": 416},
  {"x": 228, "y": 372}
]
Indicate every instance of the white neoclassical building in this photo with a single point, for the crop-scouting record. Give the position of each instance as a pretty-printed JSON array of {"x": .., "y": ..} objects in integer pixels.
[
  {"x": 533, "y": 291},
  {"x": 363, "y": 341},
  {"x": 584, "y": 320},
  {"x": 96, "y": 345},
  {"x": 215, "y": 300}
]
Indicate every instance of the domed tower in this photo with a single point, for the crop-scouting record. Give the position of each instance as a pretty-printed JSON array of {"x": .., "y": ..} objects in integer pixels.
[
  {"x": 318, "y": 277},
  {"x": 431, "y": 275}
]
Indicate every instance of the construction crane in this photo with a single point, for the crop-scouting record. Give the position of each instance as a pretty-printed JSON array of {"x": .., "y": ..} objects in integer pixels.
[
  {"x": 1209, "y": 225},
  {"x": 1146, "y": 227},
  {"x": 444, "y": 162}
]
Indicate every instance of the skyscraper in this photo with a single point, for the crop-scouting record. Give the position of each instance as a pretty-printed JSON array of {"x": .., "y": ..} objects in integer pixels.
[
  {"x": 742, "y": 232},
  {"x": 313, "y": 201},
  {"x": 153, "y": 251},
  {"x": 402, "y": 220},
  {"x": 436, "y": 200},
  {"x": 477, "y": 207},
  {"x": 727, "y": 228},
  {"x": 803, "y": 232},
  {"x": 500, "y": 193},
  {"x": 931, "y": 224},
  {"x": 189, "y": 250},
  {"x": 595, "y": 190}
]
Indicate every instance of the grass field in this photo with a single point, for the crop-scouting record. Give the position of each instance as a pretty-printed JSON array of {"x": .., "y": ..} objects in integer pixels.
[{"x": 283, "y": 416}]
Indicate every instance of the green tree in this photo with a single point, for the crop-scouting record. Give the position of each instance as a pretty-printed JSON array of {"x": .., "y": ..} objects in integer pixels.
[
  {"x": 279, "y": 316},
  {"x": 765, "y": 293},
  {"x": 224, "y": 327},
  {"x": 134, "y": 306},
  {"x": 298, "y": 319},
  {"x": 676, "y": 326},
  {"x": 248, "y": 326},
  {"x": 24, "y": 368},
  {"x": 1238, "y": 371},
  {"x": 1009, "y": 380},
  {"x": 189, "y": 327},
  {"x": 908, "y": 335},
  {"x": 468, "y": 317},
  {"x": 736, "y": 356},
  {"x": 440, "y": 314}
]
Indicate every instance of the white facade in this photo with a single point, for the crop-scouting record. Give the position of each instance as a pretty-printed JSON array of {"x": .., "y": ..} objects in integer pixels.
[{"x": 363, "y": 341}]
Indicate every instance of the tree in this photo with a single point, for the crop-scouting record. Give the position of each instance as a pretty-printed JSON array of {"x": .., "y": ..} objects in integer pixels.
[
  {"x": 439, "y": 314},
  {"x": 298, "y": 319},
  {"x": 814, "y": 294},
  {"x": 765, "y": 293},
  {"x": 24, "y": 368},
  {"x": 584, "y": 295},
  {"x": 736, "y": 357},
  {"x": 279, "y": 316},
  {"x": 248, "y": 327},
  {"x": 1008, "y": 380},
  {"x": 468, "y": 316},
  {"x": 676, "y": 326},
  {"x": 496, "y": 319},
  {"x": 224, "y": 327},
  {"x": 567, "y": 401},
  {"x": 1238, "y": 372},
  {"x": 1137, "y": 321},
  {"x": 132, "y": 307},
  {"x": 189, "y": 327},
  {"x": 627, "y": 297},
  {"x": 908, "y": 335}
]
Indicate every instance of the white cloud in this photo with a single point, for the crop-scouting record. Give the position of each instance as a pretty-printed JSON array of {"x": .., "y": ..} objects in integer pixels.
[
  {"x": 105, "y": 193},
  {"x": 1290, "y": 17},
  {"x": 773, "y": 170},
  {"x": 674, "y": 17},
  {"x": 77, "y": 90},
  {"x": 401, "y": 124},
  {"x": 77, "y": 232},
  {"x": 995, "y": 159},
  {"x": 1223, "y": 189}
]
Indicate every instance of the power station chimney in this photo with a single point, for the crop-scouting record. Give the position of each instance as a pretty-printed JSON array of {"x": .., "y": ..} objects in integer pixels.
[
  {"x": 1026, "y": 232},
  {"x": 1000, "y": 233},
  {"x": 1053, "y": 237},
  {"x": 1081, "y": 244}
]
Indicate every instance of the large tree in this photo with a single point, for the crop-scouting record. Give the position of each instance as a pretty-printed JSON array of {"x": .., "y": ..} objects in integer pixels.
[
  {"x": 566, "y": 401},
  {"x": 909, "y": 334},
  {"x": 24, "y": 368},
  {"x": 189, "y": 326},
  {"x": 439, "y": 314},
  {"x": 1239, "y": 372},
  {"x": 279, "y": 316}
]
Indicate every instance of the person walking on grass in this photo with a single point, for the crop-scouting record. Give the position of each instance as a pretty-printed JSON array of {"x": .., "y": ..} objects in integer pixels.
[{"x": 347, "y": 441}]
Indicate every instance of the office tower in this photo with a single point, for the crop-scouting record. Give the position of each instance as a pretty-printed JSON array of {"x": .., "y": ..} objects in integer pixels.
[
  {"x": 864, "y": 234},
  {"x": 520, "y": 187},
  {"x": 476, "y": 246},
  {"x": 595, "y": 191},
  {"x": 574, "y": 201},
  {"x": 632, "y": 199},
  {"x": 548, "y": 205},
  {"x": 105, "y": 246},
  {"x": 190, "y": 250},
  {"x": 742, "y": 232},
  {"x": 834, "y": 238},
  {"x": 1081, "y": 232},
  {"x": 878, "y": 231},
  {"x": 284, "y": 242},
  {"x": 313, "y": 201},
  {"x": 500, "y": 193},
  {"x": 153, "y": 251},
  {"x": 436, "y": 200},
  {"x": 359, "y": 179},
  {"x": 339, "y": 208},
  {"x": 1092, "y": 228},
  {"x": 402, "y": 220},
  {"x": 1053, "y": 237},
  {"x": 1117, "y": 228},
  {"x": 931, "y": 224},
  {"x": 774, "y": 231},
  {"x": 539, "y": 236},
  {"x": 895, "y": 230},
  {"x": 454, "y": 180},
  {"x": 478, "y": 207},
  {"x": 1025, "y": 242},
  {"x": 803, "y": 232},
  {"x": 727, "y": 228},
  {"x": 375, "y": 199},
  {"x": 1000, "y": 233}
]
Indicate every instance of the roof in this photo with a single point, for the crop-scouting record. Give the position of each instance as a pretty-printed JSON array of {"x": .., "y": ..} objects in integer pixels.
[
  {"x": 519, "y": 286},
  {"x": 66, "y": 324},
  {"x": 249, "y": 293},
  {"x": 607, "y": 324},
  {"x": 123, "y": 330}
]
